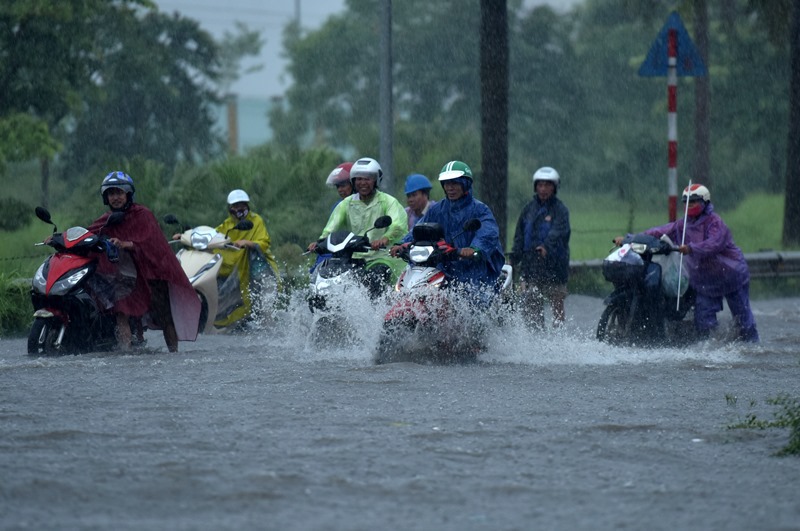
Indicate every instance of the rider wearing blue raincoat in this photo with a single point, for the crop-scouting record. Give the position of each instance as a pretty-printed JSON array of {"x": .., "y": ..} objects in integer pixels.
[{"x": 452, "y": 213}]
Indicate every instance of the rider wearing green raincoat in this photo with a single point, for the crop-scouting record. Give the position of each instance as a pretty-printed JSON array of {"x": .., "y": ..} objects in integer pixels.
[{"x": 358, "y": 212}]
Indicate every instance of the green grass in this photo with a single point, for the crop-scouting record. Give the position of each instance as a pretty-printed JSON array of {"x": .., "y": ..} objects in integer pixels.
[
  {"x": 756, "y": 223},
  {"x": 787, "y": 416}
]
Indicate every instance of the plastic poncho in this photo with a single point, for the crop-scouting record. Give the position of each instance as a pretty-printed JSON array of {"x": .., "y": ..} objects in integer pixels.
[
  {"x": 452, "y": 215},
  {"x": 546, "y": 224},
  {"x": 243, "y": 260},
  {"x": 716, "y": 265},
  {"x": 358, "y": 216},
  {"x": 155, "y": 260}
]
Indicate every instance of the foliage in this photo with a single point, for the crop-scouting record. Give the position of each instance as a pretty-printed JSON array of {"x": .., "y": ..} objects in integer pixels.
[
  {"x": 788, "y": 416},
  {"x": 233, "y": 48},
  {"x": 24, "y": 137},
  {"x": 16, "y": 312},
  {"x": 100, "y": 83},
  {"x": 576, "y": 101},
  {"x": 153, "y": 96},
  {"x": 16, "y": 214}
]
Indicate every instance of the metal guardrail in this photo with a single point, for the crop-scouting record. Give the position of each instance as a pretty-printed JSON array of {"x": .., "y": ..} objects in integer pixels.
[{"x": 765, "y": 264}]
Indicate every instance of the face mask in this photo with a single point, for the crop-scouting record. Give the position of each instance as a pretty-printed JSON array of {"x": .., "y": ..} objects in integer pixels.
[
  {"x": 695, "y": 209},
  {"x": 239, "y": 214}
]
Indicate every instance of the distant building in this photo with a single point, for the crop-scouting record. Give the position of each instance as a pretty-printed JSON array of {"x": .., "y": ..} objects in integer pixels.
[{"x": 252, "y": 121}]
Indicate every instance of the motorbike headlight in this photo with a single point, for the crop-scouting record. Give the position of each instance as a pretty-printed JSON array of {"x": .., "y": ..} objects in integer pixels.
[
  {"x": 639, "y": 248},
  {"x": 39, "y": 282},
  {"x": 420, "y": 254},
  {"x": 63, "y": 285}
]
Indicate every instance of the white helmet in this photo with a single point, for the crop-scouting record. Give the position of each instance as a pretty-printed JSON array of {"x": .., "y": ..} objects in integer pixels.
[
  {"x": 696, "y": 191},
  {"x": 546, "y": 173},
  {"x": 366, "y": 168},
  {"x": 238, "y": 196}
]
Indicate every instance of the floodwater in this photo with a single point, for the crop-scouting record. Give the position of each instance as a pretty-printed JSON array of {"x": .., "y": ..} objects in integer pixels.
[{"x": 275, "y": 430}]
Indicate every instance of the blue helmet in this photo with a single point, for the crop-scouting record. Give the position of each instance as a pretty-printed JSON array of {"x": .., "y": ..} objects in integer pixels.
[
  {"x": 417, "y": 181},
  {"x": 117, "y": 179}
]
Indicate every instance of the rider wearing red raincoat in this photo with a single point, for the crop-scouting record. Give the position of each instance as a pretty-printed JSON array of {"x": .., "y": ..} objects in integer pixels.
[{"x": 162, "y": 287}]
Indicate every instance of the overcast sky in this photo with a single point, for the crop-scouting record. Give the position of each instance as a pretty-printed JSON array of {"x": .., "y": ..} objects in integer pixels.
[{"x": 269, "y": 17}]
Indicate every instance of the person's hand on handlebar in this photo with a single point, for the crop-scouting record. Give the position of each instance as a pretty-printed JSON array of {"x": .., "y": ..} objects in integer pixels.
[
  {"x": 466, "y": 252},
  {"x": 618, "y": 240},
  {"x": 379, "y": 244},
  {"x": 395, "y": 250}
]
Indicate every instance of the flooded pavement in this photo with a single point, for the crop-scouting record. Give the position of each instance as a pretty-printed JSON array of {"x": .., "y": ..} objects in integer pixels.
[{"x": 276, "y": 430}]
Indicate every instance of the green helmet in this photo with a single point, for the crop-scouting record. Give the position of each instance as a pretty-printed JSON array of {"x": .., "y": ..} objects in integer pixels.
[{"x": 455, "y": 169}]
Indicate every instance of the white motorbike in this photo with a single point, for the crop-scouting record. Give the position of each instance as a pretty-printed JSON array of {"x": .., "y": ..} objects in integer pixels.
[
  {"x": 335, "y": 277},
  {"x": 201, "y": 261}
]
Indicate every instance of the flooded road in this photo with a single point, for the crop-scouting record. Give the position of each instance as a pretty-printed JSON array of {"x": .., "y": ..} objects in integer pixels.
[{"x": 272, "y": 430}]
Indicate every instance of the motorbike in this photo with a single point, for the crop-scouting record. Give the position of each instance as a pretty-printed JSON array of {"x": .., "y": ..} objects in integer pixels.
[
  {"x": 201, "y": 260},
  {"x": 73, "y": 294},
  {"x": 429, "y": 321},
  {"x": 336, "y": 275},
  {"x": 645, "y": 308}
]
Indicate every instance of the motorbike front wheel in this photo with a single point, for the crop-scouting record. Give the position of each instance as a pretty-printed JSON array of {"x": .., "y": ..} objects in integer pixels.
[
  {"x": 612, "y": 327},
  {"x": 43, "y": 336}
]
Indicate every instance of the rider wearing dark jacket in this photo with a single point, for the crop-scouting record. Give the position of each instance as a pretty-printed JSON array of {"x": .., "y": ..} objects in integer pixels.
[
  {"x": 541, "y": 248},
  {"x": 451, "y": 213}
]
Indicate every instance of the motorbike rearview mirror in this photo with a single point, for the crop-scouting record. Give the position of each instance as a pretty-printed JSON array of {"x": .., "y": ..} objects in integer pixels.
[
  {"x": 245, "y": 224},
  {"x": 43, "y": 214},
  {"x": 170, "y": 219},
  {"x": 115, "y": 218},
  {"x": 472, "y": 225},
  {"x": 382, "y": 222}
]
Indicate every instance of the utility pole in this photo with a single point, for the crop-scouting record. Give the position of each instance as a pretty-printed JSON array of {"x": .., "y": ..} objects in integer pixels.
[{"x": 386, "y": 155}]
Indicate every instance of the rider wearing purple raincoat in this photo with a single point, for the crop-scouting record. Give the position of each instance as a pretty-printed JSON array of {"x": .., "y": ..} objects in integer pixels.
[{"x": 714, "y": 263}]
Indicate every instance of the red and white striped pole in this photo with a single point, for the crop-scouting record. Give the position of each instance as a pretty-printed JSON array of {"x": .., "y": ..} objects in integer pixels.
[{"x": 672, "y": 122}]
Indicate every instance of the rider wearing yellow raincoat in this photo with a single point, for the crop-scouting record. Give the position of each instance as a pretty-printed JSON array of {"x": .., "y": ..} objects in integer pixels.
[{"x": 252, "y": 261}]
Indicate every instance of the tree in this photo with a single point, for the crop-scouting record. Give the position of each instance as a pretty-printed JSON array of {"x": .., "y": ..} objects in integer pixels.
[
  {"x": 153, "y": 93},
  {"x": 702, "y": 162},
  {"x": 494, "y": 108},
  {"x": 111, "y": 81},
  {"x": 233, "y": 48},
  {"x": 791, "y": 216},
  {"x": 45, "y": 63}
]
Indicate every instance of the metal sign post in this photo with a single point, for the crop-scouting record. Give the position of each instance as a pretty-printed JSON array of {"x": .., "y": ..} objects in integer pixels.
[{"x": 672, "y": 54}]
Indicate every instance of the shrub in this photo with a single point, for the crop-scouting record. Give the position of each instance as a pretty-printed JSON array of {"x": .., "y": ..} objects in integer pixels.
[
  {"x": 16, "y": 312},
  {"x": 16, "y": 214}
]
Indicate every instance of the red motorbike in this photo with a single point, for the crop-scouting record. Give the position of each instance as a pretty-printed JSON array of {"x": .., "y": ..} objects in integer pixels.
[{"x": 73, "y": 294}]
